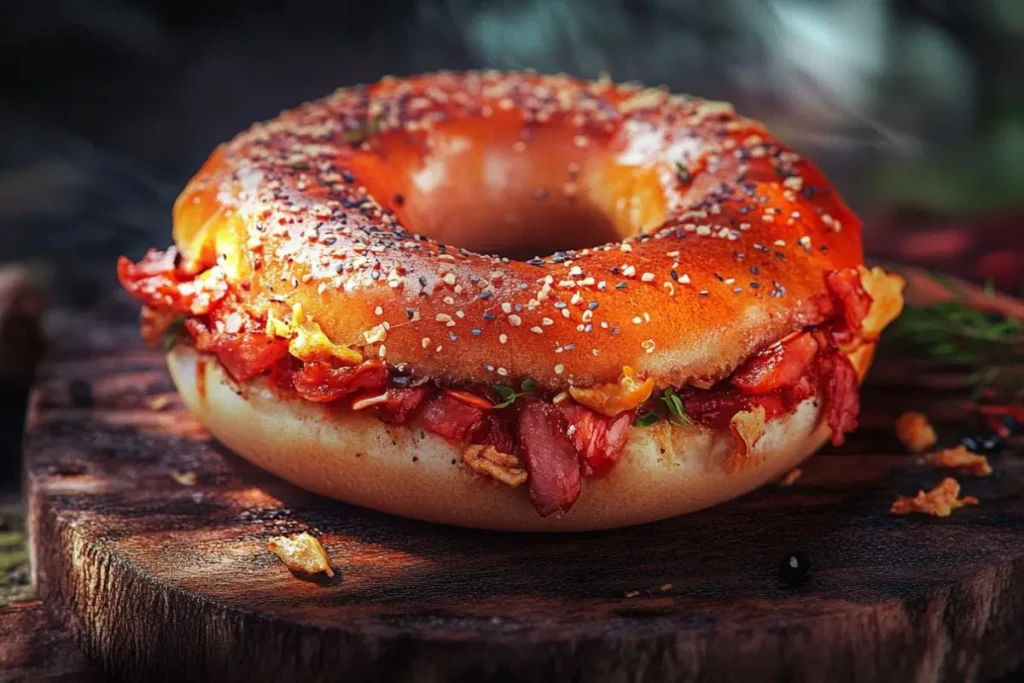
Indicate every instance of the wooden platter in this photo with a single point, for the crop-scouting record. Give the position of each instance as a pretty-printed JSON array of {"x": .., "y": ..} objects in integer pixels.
[{"x": 161, "y": 581}]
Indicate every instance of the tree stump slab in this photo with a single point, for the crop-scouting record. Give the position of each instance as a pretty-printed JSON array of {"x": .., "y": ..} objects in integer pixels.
[{"x": 158, "y": 580}]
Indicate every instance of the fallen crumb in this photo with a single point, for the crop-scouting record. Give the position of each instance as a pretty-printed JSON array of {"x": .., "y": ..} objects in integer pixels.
[
  {"x": 158, "y": 402},
  {"x": 184, "y": 478},
  {"x": 915, "y": 432},
  {"x": 302, "y": 553},
  {"x": 790, "y": 477},
  {"x": 665, "y": 587},
  {"x": 940, "y": 501},
  {"x": 960, "y": 458},
  {"x": 632, "y": 594}
]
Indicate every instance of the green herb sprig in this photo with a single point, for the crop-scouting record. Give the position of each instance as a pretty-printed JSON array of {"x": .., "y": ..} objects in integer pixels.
[
  {"x": 990, "y": 346},
  {"x": 509, "y": 394},
  {"x": 174, "y": 332},
  {"x": 671, "y": 409}
]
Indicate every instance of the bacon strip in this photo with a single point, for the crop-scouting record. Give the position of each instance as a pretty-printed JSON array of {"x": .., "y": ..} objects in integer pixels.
[
  {"x": 451, "y": 418},
  {"x": 777, "y": 367},
  {"x": 400, "y": 404},
  {"x": 320, "y": 382},
  {"x": 854, "y": 303},
  {"x": 598, "y": 439},
  {"x": 244, "y": 355},
  {"x": 549, "y": 456},
  {"x": 841, "y": 393}
]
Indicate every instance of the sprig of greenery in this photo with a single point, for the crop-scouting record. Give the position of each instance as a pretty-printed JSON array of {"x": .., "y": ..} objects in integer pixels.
[
  {"x": 509, "y": 394},
  {"x": 647, "y": 419},
  {"x": 677, "y": 414},
  {"x": 671, "y": 409},
  {"x": 174, "y": 332},
  {"x": 991, "y": 346}
]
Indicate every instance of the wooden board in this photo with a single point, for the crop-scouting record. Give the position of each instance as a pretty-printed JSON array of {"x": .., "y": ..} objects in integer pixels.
[
  {"x": 160, "y": 581},
  {"x": 35, "y": 648}
]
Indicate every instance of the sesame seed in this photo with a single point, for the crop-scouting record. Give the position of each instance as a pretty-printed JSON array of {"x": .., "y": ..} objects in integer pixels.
[
  {"x": 503, "y": 372},
  {"x": 425, "y": 342},
  {"x": 559, "y": 369},
  {"x": 648, "y": 345},
  {"x": 378, "y": 310},
  {"x": 537, "y": 329},
  {"x": 382, "y": 351},
  {"x": 647, "y": 277},
  {"x": 503, "y": 338},
  {"x": 506, "y": 308},
  {"x": 628, "y": 270},
  {"x": 514, "y": 320},
  {"x": 637, "y": 320}
]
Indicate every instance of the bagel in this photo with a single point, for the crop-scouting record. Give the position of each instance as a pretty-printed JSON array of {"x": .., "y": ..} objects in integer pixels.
[{"x": 472, "y": 298}]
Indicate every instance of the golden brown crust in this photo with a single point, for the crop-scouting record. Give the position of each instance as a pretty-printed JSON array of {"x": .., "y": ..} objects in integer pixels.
[{"x": 725, "y": 252}]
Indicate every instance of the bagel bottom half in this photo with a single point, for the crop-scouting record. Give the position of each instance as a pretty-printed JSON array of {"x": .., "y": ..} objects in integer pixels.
[{"x": 354, "y": 457}]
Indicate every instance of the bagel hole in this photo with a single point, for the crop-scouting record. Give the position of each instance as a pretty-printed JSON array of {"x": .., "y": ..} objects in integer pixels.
[
  {"x": 528, "y": 232},
  {"x": 480, "y": 190}
]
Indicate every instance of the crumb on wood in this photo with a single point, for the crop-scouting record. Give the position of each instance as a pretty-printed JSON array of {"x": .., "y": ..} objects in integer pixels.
[
  {"x": 962, "y": 459},
  {"x": 665, "y": 587},
  {"x": 915, "y": 432},
  {"x": 940, "y": 501},
  {"x": 158, "y": 402},
  {"x": 632, "y": 594},
  {"x": 302, "y": 553},
  {"x": 184, "y": 478},
  {"x": 790, "y": 477}
]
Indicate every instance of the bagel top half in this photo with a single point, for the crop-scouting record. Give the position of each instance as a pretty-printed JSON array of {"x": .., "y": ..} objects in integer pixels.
[{"x": 685, "y": 238}]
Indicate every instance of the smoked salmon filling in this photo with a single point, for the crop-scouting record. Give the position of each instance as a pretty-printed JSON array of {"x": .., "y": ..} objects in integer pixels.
[{"x": 556, "y": 436}]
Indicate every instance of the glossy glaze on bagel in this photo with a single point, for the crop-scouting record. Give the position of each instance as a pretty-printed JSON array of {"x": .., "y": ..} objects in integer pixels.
[{"x": 369, "y": 215}]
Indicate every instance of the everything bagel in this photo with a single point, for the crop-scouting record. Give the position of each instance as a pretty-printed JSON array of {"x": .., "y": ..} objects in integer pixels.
[{"x": 358, "y": 304}]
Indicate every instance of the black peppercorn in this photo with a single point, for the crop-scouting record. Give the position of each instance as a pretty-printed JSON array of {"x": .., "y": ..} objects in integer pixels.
[
  {"x": 81, "y": 393},
  {"x": 795, "y": 568}
]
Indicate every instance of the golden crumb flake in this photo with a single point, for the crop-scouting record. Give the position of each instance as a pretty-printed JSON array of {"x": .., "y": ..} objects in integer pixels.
[
  {"x": 302, "y": 553},
  {"x": 915, "y": 432},
  {"x": 158, "y": 402},
  {"x": 961, "y": 458},
  {"x": 184, "y": 478},
  {"x": 790, "y": 477},
  {"x": 488, "y": 460},
  {"x": 940, "y": 501}
]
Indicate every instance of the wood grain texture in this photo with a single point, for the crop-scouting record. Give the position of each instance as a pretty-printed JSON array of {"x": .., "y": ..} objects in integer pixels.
[
  {"x": 160, "y": 581},
  {"x": 34, "y": 648}
]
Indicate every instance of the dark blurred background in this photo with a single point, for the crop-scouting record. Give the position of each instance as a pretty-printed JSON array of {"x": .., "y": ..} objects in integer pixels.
[{"x": 915, "y": 107}]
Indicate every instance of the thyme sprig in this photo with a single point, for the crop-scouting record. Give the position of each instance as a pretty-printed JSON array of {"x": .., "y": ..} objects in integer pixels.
[
  {"x": 989, "y": 345},
  {"x": 509, "y": 394},
  {"x": 671, "y": 409}
]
